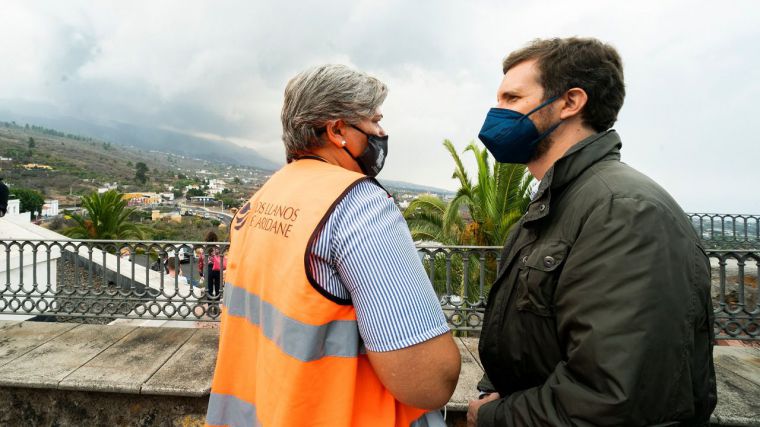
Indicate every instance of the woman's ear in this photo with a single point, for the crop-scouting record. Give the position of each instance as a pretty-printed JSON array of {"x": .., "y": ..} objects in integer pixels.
[
  {"x": 335, "y": 131},
  {"x": 575, "y": 99}
]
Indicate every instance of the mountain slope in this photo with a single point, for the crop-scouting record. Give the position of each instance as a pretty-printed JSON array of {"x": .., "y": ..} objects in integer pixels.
[{"x": 147, "y": 138}]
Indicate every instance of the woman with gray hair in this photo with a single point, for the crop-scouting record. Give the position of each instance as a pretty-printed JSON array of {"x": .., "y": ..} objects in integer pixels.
[{"x": 329, "y": 316}]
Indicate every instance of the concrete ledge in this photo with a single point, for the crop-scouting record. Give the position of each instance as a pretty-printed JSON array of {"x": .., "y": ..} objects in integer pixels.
[
  {"x": 115, "y": 359},
  {"x": 469, "y": 375},
  {"x": 737, "y": 370},
  {"x": 165, "y": 373}
]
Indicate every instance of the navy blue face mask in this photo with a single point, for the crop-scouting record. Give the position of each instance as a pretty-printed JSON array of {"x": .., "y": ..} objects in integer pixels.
[{"x": 510, "y": 136}]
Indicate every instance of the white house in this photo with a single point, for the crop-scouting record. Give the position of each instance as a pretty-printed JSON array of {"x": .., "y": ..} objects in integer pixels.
[
  {"x": 14, "y": 212},
  {"x": 108, "y": 186},
  {"x": 50, "y": 208},
  {"x": 215, "y": 186}
]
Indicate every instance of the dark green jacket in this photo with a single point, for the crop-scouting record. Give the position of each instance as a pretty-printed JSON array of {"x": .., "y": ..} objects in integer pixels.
[{"x": 601, "y": 312}]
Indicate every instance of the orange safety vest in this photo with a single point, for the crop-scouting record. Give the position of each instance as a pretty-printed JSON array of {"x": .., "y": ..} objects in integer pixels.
[{"x": 288, "y": 354}]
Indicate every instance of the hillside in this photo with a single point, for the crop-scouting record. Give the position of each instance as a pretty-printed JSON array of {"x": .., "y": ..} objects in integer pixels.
[
  {"x": 141, "y": 137},
  {"x": 71, "y": 165},
  {"x": 79, "y": 165}
]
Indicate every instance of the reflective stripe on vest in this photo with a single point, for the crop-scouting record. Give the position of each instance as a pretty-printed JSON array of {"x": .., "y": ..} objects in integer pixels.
[
  {"x": 289, "y": 355},
  {"x": 338, "y": 338},
  {"x": 229, "y": 410}
]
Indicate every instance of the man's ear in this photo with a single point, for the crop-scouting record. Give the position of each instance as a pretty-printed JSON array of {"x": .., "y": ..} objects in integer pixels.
[
  {"x": 335, "y": 131},
  {"x": 575, "y": 99}
]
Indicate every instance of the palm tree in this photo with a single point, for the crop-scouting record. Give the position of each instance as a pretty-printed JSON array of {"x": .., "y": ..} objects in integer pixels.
[
  {"x": 425, "y": 218},
  {"x": 107, "y": 218},
  {"x": 495, "y": 202}
]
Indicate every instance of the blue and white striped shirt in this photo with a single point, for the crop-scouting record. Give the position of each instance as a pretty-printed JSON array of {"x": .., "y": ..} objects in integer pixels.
[{"x": 365, "y": 254}]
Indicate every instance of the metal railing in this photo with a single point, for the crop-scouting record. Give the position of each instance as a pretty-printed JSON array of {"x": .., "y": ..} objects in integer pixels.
[
  {"x": 727, "y": 231},
  {"x": 97, "y": 279},
  {"x": 107, "y": 280}
]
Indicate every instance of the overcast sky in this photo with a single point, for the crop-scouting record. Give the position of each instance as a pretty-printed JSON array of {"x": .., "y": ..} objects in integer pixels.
[{"x": 218, "y": 69}]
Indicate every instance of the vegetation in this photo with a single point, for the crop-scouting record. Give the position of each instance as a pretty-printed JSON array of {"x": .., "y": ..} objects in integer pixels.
[
  {"x": 494, "y": 203},
  {"x": 140, "y": 172},
  {"x": 30, "y": 200},
  {"x": 107, "y": 217},
  {"x": 229, "y": 201},
  {"x": 481, "y": 214},
  {"x": 195, "y": 192},
  {"x": 190, "y": 229}
]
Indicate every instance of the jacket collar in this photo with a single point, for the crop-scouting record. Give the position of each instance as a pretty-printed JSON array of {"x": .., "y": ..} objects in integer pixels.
[{"x": 579, "y": 158}]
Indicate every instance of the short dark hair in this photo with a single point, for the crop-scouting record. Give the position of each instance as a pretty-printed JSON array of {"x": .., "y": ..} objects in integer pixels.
[
  {"x": 211, "y": 237},
  {"x": 586, "y": 63}
]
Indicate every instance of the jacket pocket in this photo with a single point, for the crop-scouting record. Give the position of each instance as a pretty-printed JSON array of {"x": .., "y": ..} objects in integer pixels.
[{"x": 540, "y": 266}]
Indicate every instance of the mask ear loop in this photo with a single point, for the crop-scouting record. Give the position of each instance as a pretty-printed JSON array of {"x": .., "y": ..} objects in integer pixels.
[
  {"x": 552, "y": 127},
  {"x": 544, "y": 104}
]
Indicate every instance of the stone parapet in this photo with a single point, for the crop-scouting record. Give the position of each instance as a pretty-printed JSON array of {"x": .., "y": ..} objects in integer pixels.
[{"x": 68, "y": 374}]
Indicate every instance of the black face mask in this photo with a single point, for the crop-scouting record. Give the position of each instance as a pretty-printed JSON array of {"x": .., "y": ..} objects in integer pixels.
[{"x": 372, "y": 160}]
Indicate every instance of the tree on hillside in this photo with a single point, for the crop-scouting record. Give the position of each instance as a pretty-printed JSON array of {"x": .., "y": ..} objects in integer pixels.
[
  {"x": 140, "y": 172},
  {"x": 30, "y": 200},
  {"x": 106, "y": 217},
  {"x": 229, "y": 202},
  {"x": 31, "y": 143},
  {"x": 194, "y": 192}
]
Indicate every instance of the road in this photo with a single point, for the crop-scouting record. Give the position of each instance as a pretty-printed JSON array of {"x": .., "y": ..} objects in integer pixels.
[{"x": 201, "y": 211}]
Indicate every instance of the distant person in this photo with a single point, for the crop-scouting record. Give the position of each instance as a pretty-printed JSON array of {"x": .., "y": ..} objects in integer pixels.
[
  {"x": 175, "y": 272},
  {"x": 329, "y": 317},
  {"x": 209, "y": 266},
  {"x": 601, "y": 314},
  {"x": 125, "y": 254},
  {"x": 199, "y": 253},
  {"x": 161, "y": 263},
  {"x": 4, "y": 194}
]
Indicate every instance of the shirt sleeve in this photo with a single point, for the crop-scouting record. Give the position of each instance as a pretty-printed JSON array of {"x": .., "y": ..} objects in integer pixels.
[{"x": 365, "y": 252}]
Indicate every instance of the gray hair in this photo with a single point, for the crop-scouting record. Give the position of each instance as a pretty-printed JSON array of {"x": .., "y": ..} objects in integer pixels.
[{"x": 324, "y": 93}]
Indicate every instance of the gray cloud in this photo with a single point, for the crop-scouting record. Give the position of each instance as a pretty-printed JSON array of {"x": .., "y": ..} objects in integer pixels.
[{"x": 219, "y": 69}]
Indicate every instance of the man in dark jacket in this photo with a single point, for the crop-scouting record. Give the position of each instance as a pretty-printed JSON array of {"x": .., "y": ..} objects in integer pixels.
[{"x": 601, "y": 311}]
